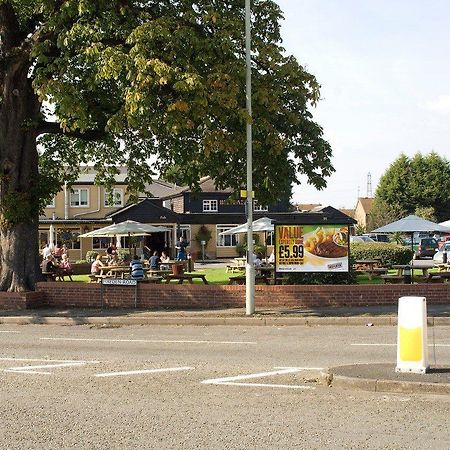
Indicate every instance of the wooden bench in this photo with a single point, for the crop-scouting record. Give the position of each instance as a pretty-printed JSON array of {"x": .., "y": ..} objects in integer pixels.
[
  {"x": 151, "y": 280},
  {"x": 49, "y": 276},
  {"x": 234, "y": 268},
  {"x": 94, "y": 278},
  {"x": 392, "y": 279},
  {"x": 189, "y": 277},
  {"x": 240, "y": 279},
  {"x": 434, "y": 278}
]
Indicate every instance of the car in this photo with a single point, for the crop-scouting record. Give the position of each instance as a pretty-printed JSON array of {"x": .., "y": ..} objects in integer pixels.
[
  {"x": 366, "y": 239},
  {"x": 443, "y": 239},
  {"x": 378, "y": 237},
  {"x": 439, "y": 255},
  {"x": 426, "y": 249}
]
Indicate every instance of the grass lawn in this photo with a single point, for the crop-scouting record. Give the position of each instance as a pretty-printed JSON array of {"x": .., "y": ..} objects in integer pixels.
[{"x": 220, "y": 276}]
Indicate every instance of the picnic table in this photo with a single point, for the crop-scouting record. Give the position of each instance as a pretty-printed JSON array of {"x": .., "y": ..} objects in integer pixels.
[
  {"x": 370, "y": 267},
  {"x": 189, "y": 277}
]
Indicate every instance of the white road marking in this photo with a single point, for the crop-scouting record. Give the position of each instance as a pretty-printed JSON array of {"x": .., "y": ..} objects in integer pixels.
[
  {"x": 4, "y": 331},
  {"x": 47, "y": 360},
  {"x": 394, "y": 345},
  {"x": 32, "y": 369},
  {"x": 143, "y": 371},
  {"x": 151, "y": 341},
  {"x": 236, "y": 381}
]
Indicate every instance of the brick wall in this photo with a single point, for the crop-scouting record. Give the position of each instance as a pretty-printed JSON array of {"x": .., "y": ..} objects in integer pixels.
[
  {"x": 174, "y": 296},
  {"x": 20, "y": 300}
]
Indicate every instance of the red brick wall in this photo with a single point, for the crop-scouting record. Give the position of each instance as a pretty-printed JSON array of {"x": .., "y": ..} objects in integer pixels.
[
  {"x": 88, "y": 295},
  {"x": 20, "y": 300}
]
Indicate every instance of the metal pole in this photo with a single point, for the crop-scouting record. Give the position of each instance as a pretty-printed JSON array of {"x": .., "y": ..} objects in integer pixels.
[{"x": 249, "y": 269}]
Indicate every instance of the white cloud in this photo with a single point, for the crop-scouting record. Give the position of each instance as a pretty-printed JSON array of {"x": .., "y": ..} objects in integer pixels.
[{"x": 441, "y": 104}]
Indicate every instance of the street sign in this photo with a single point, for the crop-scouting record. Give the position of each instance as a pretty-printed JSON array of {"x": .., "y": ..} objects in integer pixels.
[{"x": 119, "y": 282}]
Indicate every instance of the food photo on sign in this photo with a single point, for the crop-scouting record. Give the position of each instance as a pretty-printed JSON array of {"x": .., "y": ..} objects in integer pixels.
[{"x": 311, "y": 248}]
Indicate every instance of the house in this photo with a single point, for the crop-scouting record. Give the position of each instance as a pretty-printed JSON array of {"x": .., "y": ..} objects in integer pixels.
[
  {"x": 362, "y": 211},
  {"x": 85, "y": 206},
  {"x": 199, "y": 216}
]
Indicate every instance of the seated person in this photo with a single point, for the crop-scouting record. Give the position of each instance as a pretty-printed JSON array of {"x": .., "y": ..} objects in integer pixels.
[
  {"x": 164, "y": 261},
  {"x": 113, "y": 260},
  {"x": 65, "y": 268},
  {"x": 48, "y": 267},
  {"x": 256, "y": 261},
  {"x": 137, "y": 272},
  {"x": 57, "y": 252},
  {"x": 154, "y": 261},
  {"x": 97, "y": 265}
]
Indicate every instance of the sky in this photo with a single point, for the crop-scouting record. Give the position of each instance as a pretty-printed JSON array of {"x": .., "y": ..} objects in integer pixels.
[{"x": 384, "y": 67}]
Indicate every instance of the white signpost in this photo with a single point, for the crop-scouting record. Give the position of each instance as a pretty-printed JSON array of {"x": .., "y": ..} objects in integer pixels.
[{"x": 412, "y": 347}]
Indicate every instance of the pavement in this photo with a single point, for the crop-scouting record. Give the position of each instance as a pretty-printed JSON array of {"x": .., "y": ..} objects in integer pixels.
[{"x": 372, "y": 377}]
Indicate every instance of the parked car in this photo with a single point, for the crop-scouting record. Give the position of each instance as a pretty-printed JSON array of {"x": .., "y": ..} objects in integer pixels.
[
  {"x": 361, "y": 239},
  {"x": 426, "y": 249},
  {"x": 443, "y": 239},
  {"x": 439, "y": 255},
  {"x": 379, "y": 237}
]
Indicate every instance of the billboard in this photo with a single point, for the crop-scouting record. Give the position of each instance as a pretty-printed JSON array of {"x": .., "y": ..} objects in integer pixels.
[{"x": 311, "y": 248}]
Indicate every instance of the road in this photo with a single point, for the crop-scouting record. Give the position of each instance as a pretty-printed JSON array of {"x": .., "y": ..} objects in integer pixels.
[{"x": 207, "y": 387}]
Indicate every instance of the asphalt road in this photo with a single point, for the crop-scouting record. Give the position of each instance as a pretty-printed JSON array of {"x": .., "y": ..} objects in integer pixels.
[{"x": 207, "y": 387}]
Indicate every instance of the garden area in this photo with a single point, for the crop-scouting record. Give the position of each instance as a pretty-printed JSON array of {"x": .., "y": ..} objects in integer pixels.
[{"x": 389, "y": 255}]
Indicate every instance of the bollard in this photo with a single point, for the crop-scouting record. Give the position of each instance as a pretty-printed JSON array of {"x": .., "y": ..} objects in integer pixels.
[
  {"x": 412, "y": 349},
  {"x": 407, "y": 278}
]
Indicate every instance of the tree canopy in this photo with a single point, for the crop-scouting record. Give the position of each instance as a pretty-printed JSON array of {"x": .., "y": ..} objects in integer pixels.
[
  {"x": 156, "y": 85},
  {"x": 419, "y": 185}
]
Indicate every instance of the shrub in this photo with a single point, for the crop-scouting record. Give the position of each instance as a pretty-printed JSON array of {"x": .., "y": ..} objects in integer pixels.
[
  {"x": 324, "y": 277},
  {"x": 91, "y": 255},
  {"x": 389, "y": 254},
  {"x": 123, "y": 255},
  {"x": 258, "y": 249}
]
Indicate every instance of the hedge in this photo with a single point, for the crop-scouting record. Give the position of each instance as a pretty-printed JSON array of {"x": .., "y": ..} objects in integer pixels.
[{"x": 388, "y": 253}]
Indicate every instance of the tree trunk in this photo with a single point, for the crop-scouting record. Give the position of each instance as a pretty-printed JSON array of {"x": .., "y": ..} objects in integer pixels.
[{"x": 19, "y": 193}]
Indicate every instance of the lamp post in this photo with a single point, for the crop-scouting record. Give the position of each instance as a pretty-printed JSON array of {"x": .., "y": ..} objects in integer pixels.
[{"x": 249, "y": 268}]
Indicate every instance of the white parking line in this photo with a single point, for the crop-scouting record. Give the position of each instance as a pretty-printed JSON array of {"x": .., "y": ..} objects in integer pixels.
[
  {"x": 143, "y": 371},
  {"x": 236, "y": 381},
  {"x": 53, "y": 364},
  {"x": 4, "y": 331},
  {"x": 152, "y": 341}
]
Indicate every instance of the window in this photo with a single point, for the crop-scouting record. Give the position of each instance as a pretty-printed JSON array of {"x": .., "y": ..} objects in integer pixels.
[
  {"x": 79, "y": 197},
  {"x": 270, "y": 239},
  {"x": 210, "y": 206},
  {"x": 185, "y": 231},
  {"x": 70, "y": 238},
  {"x": 117, "y": 194},
  {"x": 258, "y": 207},
  {"x": 228, "y": 240},
  {"x": 100, "y": 242},
  {"x": 51, "y": 204}
]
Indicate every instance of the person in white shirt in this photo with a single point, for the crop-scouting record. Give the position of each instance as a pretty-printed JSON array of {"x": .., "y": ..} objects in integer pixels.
[{"x": 46, "y": 251}]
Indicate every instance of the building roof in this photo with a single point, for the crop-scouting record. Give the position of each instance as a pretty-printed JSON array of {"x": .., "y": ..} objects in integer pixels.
[
  {"x": 306, "y": 206},
  {"x": 348, "y": 212},
  {"x": 146, "y": 211},
  {"x": 158, "y": 188},
  {"x": 366, "y": 203},
  {"x": 206, "y": 184}
]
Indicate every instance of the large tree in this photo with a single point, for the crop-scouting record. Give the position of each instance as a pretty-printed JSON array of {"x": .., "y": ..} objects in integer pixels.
[
  {"x": 419, "y": 185},
  {"x": 157, "y": 85}
]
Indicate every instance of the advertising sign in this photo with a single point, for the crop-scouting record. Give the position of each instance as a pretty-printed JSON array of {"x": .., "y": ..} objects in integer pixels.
[{"x": 311, "y": 248}]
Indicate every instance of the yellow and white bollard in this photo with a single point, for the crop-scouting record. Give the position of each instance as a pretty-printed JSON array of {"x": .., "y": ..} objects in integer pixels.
[{"x": 412, "y": 348}]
